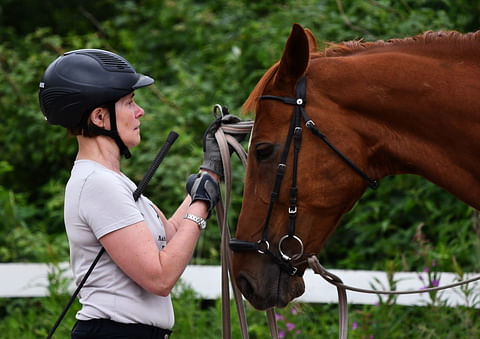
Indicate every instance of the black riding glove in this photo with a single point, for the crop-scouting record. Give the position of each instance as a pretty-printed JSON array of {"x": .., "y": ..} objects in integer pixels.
[
  {"x": 212, "y": 159},
  {"x": 202, "y": 186}
]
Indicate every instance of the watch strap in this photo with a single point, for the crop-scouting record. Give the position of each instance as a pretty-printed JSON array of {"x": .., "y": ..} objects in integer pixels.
[{"x": 202, "y": 224}]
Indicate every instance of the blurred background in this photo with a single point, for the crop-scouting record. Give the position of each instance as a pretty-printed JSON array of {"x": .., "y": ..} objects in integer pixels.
[{"x": 203, "y": 53}]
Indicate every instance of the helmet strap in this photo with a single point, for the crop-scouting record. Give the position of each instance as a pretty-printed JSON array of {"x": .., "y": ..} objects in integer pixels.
[{"x": 113, "y": 132}]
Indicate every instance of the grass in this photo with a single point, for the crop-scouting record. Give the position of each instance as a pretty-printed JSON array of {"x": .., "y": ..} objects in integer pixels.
[{"x": 196, "y": 318}]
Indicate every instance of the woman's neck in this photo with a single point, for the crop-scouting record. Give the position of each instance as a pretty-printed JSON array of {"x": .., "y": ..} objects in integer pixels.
[{"x": 101, "y": 149}]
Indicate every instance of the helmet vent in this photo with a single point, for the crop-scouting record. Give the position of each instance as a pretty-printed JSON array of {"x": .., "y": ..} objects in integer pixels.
[
  {"x": 112, "y": 62},
  {"x": 51, "y": 95}
]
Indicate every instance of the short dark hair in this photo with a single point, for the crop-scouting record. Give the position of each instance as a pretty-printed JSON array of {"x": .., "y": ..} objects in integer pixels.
[{"x": 84, "y": 127}]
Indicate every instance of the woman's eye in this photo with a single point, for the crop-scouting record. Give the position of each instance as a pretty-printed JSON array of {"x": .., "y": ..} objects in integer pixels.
[{"x": 263, "y": 151}]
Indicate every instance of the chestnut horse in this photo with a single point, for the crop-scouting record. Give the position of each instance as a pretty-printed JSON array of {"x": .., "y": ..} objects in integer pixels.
[{"x": 389, "y": 107}]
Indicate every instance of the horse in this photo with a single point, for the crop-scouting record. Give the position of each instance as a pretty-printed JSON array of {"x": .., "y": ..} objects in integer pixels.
[{"x": 376, "y": 109}]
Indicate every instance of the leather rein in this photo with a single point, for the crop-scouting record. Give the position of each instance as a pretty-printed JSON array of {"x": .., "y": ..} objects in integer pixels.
[{"x": 226, "y": 140}]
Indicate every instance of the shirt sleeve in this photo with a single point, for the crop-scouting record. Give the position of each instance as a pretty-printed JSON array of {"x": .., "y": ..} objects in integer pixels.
[{"x": 106, "y": 204}]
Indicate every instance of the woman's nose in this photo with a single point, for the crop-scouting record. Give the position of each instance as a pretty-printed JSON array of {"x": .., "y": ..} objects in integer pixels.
[{"x": 139, "y": 112}]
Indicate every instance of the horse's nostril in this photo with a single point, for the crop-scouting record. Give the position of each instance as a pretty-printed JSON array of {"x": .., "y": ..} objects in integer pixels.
[{"x": 246, "y": 285}]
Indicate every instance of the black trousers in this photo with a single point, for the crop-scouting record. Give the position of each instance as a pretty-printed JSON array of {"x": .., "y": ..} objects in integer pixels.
[{"x": 109, "y": 329}]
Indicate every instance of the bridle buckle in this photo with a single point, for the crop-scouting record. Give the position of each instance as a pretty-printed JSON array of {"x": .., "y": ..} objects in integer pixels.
[{"x": 262, "y": 249}]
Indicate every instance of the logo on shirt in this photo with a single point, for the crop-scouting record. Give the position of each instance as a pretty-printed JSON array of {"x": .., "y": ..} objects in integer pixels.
[{"x": 163, "y": 240}]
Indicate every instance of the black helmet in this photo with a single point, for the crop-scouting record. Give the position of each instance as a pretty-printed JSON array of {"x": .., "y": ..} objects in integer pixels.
[
  {"x": 81, "y": 80},
  {"x": 78, "y": 81}
]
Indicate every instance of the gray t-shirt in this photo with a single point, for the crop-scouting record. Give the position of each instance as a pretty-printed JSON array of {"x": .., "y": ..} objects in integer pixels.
[{"x": 97, "y": 202}]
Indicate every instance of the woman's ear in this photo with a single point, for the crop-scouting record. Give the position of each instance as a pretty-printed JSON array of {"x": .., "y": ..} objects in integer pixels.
[{"x": 99, "y": 117}]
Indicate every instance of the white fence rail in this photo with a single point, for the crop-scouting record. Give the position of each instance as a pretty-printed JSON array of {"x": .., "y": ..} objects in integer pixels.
[{"x": 31, "y": 280}]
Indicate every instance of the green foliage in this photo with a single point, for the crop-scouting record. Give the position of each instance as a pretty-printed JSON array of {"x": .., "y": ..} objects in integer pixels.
[
  {"x": 31, "y": 318},
  {"x": 202, "y": 53},
  {"x": 392, "y": 221},
  {"x": 197, "y": 318}
]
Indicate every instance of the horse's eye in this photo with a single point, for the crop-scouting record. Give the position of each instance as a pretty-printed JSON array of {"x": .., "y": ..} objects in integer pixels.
[{"x": 263, "y": 151}]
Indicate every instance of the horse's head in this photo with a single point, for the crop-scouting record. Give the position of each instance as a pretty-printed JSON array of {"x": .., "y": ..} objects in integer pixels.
[{"x": 327, "y": 186}]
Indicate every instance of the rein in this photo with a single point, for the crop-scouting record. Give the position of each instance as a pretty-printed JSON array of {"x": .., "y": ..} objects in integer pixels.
[
  {"x": 342, "y": 295},
  {"x": 224, "y": 142}
]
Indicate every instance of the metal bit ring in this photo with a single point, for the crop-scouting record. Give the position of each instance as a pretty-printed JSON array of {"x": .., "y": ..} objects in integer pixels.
[{"x": 295, "y": 256}]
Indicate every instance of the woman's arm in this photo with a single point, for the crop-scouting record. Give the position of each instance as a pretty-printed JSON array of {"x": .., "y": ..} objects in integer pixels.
[
  {"x": 134, "y": 250},
  {"x": 173, "y": 224}
]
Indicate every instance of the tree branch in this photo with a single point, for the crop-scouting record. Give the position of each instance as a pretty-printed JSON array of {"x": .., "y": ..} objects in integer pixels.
[{"x": 349, "y": 24}]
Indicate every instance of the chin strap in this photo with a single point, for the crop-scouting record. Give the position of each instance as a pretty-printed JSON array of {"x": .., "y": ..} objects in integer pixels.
[{"x": 113, "y": 132}]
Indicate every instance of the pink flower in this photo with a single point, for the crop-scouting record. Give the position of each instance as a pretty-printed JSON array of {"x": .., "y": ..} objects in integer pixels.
[
  {"x": 294, "y": 310},
  {"x": 290, "y": 326},
  {"x": 298, "y": 332},
  {"x": 279, "y": 317},
  {"x": 281, "y": 334},
  {"x": 435, "y": 283},
  {"x": 371, "y": 336},
  {"x": 354, "y": 326},
  {"x": 426, "y": 270}
]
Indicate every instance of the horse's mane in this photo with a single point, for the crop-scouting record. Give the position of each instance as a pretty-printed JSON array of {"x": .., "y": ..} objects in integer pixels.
[{"x": 357, "y": 46}]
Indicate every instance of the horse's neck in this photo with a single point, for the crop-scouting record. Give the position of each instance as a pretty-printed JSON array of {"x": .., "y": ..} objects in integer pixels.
[{"x": 419, "y": 114}]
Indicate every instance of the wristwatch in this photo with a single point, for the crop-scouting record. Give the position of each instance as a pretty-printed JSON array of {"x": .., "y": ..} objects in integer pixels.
[{"x": 202, "y": 224}]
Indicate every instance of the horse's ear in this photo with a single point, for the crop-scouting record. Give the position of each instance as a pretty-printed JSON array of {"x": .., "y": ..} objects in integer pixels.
[
  {"x": 312, "y": 43},
  {"x": 295, "y": 57}
]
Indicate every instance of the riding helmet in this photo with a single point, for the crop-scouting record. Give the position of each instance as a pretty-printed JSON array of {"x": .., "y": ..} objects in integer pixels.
[{"x": 81, "y": 80}]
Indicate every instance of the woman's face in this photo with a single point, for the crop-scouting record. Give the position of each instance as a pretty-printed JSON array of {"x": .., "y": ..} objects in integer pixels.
[{"x": 128, "y": 115}]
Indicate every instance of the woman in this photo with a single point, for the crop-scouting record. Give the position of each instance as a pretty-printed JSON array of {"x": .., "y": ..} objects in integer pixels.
[{"x": 91, "y": 93}]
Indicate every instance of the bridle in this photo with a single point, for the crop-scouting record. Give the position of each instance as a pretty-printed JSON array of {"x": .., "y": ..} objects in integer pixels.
[{"x": 288, "y": 262}]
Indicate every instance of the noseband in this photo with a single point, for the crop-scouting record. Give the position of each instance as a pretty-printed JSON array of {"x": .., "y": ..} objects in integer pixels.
[{"x": 262, "y": 246}]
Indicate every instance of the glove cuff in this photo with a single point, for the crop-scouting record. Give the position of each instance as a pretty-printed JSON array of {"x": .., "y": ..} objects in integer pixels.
[
  {"x": 212, "y": 166},
  {"x": 203, "y": 187}
]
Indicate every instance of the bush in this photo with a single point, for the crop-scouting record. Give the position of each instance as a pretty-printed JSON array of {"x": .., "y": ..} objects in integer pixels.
[{"x": 203, "y": 53}]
